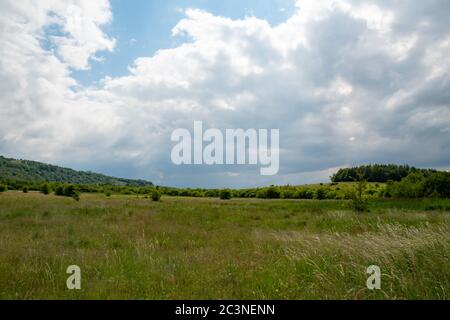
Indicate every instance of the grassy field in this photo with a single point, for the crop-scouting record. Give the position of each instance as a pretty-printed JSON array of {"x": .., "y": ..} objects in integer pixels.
[{"x": 187, "y": 248}]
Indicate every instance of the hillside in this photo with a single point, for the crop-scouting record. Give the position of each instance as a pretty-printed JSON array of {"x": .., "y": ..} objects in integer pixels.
[{"x": 25, "y": 170}]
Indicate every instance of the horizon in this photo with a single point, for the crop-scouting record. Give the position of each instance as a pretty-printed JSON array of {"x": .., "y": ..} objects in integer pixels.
[{"x": 101, "y": 86}]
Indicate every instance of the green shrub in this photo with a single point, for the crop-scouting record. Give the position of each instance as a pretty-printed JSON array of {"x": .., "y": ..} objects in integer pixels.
[
  {"x": 225, "y": 194},
  {"x": 3, "y": 188},
  {"x": 25, "y": 189},
  {"x": 59, "y": 191},
  {"x": 76, "y": 196},
  {"x": 273, "y": 193},
  {"x": 156, "y": 195},
  {"x": 69, "y": 191},
  {"x": 45, "y": 189},
  {"x": 321, "y": 194}
]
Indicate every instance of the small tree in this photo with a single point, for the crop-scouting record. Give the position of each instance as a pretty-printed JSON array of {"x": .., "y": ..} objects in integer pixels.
[
  {"x": 76, "y": 196},
  {"x": 225, "y": 194},
  {"x": 273, "y": 193},
  {"x": 156, "y": 195},
  {"x": 25, "y": 189},
  {"x": 69, "y": 191},
  {"x": 359, "y": 202},
  {"x": 59, "y": 191},
  {"x": 3, "y": 188},
  {"x": 45, "y": 189}
]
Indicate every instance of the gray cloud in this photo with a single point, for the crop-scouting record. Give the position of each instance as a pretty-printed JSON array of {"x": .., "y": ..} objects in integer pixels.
[{"x": 346, "y": 82}]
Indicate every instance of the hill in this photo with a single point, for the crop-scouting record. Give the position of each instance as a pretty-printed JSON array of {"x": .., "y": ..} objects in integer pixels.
[{"x": 25, "y": 170}]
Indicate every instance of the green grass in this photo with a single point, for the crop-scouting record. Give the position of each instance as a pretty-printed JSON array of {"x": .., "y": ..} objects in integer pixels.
[{"x": 199, "y": 248}]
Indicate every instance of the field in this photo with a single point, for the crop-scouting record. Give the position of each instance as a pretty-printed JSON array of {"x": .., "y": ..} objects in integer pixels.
[{"x": 129, "y": 247}]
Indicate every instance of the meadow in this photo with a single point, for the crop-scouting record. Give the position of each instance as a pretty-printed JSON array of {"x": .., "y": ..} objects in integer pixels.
[{"x": 129, "y": 247}]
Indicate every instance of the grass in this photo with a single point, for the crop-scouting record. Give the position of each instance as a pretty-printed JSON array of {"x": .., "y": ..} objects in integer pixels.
[{"x": 199, "y": 248}]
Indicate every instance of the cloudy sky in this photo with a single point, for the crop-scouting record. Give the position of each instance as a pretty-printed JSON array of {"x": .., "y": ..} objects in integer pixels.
[{"x": 100, "y": 85}]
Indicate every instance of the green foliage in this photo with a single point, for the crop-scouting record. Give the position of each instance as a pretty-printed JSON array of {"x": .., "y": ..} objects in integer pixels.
[
  {"x": 76, "y": 196},
  {"x": 360, "y": 203},
  {"x": 3, "y": 188},
  {"x": 225, "y": 194},
  {"x": 273, "y": 193},
  {"x": 25, "y": 170},
  {"x": 377, "y": 173},
  {"x": 59, "y": 191},
  {"x": 417, "y": 185},
  {"x": 45, "y": 189},
  {"x": 156, "y": 195},
  {"x": 25, "y": 189}
]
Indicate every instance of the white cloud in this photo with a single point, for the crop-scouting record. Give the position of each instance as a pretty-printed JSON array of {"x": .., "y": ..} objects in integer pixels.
[{"x": 345, "y": 81}]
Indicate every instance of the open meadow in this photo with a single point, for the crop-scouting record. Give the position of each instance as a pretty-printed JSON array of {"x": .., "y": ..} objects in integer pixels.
[{"x": 129, "y": 247}]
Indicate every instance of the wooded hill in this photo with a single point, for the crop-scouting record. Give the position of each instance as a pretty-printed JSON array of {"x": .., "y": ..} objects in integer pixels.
[{"x": 25, "y": 170}]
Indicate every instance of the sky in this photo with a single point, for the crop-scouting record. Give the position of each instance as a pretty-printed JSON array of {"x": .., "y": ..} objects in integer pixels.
[{"x": 101, "y": 85}]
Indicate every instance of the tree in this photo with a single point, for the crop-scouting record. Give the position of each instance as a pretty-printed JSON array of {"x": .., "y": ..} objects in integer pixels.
[
  {"x": 359, "y": 202},
  {"x": 45, "y": 189},
  {"x": 225, "y": 194},
  {"x": 25, "y": 189},
  {"x": 156, "y": 195},
  {"x": 3, "y": 188},
  {"x": 273, "y": 193}
]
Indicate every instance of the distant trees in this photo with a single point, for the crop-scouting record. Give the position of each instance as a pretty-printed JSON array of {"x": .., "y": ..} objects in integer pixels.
[
  {"x": 377, "y": 173},
  {"x": 418, "y": 185},
  {"x": 225, "y": 194}
]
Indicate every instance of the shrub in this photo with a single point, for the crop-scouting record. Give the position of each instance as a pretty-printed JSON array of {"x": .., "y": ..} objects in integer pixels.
[
  {"x": 69, "y": 191},
  {"x": 59, "y": 191},
  {"x": 156, "y": 195},
  {"x": 3, "y": 188},
  {"x": 225, "y": 194},
  {"x": 261, "y": 194},
  {"x": 359, "y": 202},
  {"x": 25, "y": 189},
  {"x": 305, "y": 194},
  {"x": 273, "y": 193},
  {"x": 108, "y": 194},
  {"x": 321, "y": 194},
  {"x": 45, "y": 189},
  {"x": 76, "y": 196}
]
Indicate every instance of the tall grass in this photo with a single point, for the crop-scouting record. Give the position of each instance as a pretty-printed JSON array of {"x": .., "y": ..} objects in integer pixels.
[{"x": 130, "y": 247}]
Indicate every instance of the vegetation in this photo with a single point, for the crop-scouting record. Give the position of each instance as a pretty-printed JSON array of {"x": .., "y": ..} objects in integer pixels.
[
  {"x": 24, "y": 170},
  {"x": 225, "y": 194},
  {"x": 205, "y": 248},
  {"x": 156, "y": 195},
  {"x": 377, "y": 173}
]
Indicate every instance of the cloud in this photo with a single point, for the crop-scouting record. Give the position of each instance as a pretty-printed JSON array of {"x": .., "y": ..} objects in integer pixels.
[{"x": 346, "y": 82}]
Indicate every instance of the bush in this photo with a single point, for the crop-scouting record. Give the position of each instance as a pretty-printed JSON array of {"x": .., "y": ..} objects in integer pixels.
[
  {"x": 45, "y": 189},
  {"x": 76, "y": 196},
  {"x": 321, "y": 194},
  {"x": 3, "y": 188},
  {"x": 225, "y": 194},
  {"x": 59, "y": 191},
  {"x": 305, "y": 194},
  {"x": 261, "y": 194},
  {"x": 25, "y": 189},
  {"x": 69, "y": 191},
  {"x": 273, "y": 193},
  {"x": 156, "y": 195},
  {"x": 108, "y": 194}
]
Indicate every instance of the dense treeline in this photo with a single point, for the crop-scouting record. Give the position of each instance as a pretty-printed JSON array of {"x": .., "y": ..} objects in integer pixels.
[
  {"x": 378, "y": 173},
  {"x": 415, "y": 185},
  {"x": 25, "y": 170}
]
